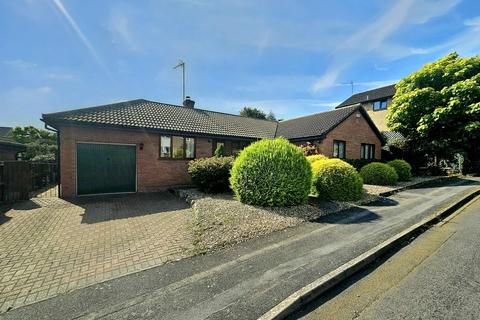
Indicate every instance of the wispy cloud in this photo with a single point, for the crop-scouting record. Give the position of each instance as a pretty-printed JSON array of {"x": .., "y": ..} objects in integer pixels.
[
  {"x": 466, "y": 42},
  {"x": 73, "y": 24},
  {"x": 19, "y": 64},
  {"x": 120, "y": 29},
  {"x": 374, "y": 36}
]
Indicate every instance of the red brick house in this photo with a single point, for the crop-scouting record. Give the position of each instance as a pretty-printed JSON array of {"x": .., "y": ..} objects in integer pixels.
[
  {"x": 142, "y": 146},
  {"x": 9, "y": 148}
]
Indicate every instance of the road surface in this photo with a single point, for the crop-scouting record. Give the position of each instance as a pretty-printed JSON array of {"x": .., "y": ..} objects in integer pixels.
[{"x": 437, "y": 276}]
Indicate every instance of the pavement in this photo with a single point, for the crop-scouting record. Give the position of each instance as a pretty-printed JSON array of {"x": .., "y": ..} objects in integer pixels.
[
  {"x": 437, "y": 276},
  {"x": 245, "y": 281},
  {"x": 50, "y": 246}
]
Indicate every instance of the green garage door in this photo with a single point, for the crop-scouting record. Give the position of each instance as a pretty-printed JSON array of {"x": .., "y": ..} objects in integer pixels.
[{"x": 105, "y": 168}]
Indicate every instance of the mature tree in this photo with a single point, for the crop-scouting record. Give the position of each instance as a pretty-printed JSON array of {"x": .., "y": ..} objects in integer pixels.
[
  {"x": 437, "y": 107},
  {"x": 41, "y": 144},
  {"x": 253, "y": 113},
  {"x": 271, "y": 116}
]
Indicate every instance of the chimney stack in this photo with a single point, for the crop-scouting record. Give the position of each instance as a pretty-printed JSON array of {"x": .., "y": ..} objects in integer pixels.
[{"x": 188, "y": 102}]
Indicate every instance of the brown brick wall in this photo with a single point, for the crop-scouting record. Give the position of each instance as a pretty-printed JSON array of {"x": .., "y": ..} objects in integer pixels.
[
  {"x": 7, "y": 154},
  {"x": 153, "y": 174},
  {"x": 354, "y": 131}
]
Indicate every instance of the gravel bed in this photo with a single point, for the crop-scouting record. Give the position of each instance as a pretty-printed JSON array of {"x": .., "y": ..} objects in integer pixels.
[{"x": 220, "y": 220}]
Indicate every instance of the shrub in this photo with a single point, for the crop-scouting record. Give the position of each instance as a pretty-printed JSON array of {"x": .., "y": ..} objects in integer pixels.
[
  {"x": 403, "y": 169},
  {"x": 379, "y": 173},
  {"x": 335, "y": 179},
  {"x": 271, "y": 172},
  {"x": 211, "y": 174},
  {"x": 309, "y": 149},
  {"x": 219, "y": 151},
  {"x": 316, "y": 157},
  {"x": 359, "y": 163}
]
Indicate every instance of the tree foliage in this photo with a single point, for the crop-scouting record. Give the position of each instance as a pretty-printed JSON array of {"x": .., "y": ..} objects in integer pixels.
[
  {"x": 41, "y": 144},
  {"x": 251, "y": 112},
  {"x": 438, "y": 106}
]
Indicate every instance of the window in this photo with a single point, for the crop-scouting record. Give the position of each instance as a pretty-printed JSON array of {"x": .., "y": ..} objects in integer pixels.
[
  {"x": 367, "y": 151},
  {"x": 177, "y": 147},
  {"x": 165, "y": 147},
  {"x": 380, "y": 105},
  {"x": 339, "y": 149},
  {"x": 189, "y": 148},
  {"x": 238, "y": 146}
]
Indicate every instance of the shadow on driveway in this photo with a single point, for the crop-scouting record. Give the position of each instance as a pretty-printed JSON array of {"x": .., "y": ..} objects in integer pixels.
[{"x": 112, "y": 207}]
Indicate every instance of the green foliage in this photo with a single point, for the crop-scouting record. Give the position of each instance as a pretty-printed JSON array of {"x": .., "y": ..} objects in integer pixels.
[
  {"x": 271, "y": 172},
  {"x": 178, "y": 153},
  {"x": 211, "y": 174},
  {"x": 438, "y": 107},
  {"x": 253, "y": 113},
  {"x": 41, "y": 144},
  {"x": 219, "y": 151},
  {"x": 271, "y": 116},
  {"x": 379, "y": 173},
  {"x": 335, "y": 179},
  {"x": 316, "y": 157},
  {"x": 359, "y": 163},
  {"x": 309, "y": 149},
  {"x": 402, "y": 168}
]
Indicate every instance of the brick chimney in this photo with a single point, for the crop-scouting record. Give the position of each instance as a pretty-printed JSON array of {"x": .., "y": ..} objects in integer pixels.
[{"x": 188, "y": 102}]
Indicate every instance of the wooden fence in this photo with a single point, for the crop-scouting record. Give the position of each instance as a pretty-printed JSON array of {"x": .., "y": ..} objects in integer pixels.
[{"x": 19, "y": 179}]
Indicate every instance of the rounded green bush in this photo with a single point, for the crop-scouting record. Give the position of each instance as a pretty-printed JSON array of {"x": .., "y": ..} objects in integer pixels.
[
  {"x": 316, "y": 157},
  {"x": 335, "y": 179},
  {"x": 211, "y": 174},
  {"x": 379, "y": 173},
  {"x": 403, "y": 169},
  {"x": 271, "y": 172}
]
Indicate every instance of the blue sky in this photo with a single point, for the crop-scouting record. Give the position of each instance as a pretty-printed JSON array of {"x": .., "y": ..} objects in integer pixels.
[{"x": 290, "y": 57}]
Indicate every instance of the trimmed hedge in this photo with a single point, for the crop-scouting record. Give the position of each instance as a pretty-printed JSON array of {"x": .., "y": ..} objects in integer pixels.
[
  {"x": 211, "y": 174},
  {"x": 360, "y": 163},
  {"x": 403, "y": 169},
  {"x": 316, "y": 157},
  {"x": 271, "y": 172},
  {"x": 379, "y": 173},
  {"x": 335, "y": 179},
  {"x": 219, "y": 151}
]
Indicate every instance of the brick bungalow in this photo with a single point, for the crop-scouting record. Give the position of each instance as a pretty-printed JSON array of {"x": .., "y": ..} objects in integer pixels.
[
  {"x": 145, "y": 146},
  {"x": 9, "y": 148}
]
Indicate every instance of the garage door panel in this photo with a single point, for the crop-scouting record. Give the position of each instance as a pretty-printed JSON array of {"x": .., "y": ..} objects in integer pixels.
[{"x": 105, "y": 168}]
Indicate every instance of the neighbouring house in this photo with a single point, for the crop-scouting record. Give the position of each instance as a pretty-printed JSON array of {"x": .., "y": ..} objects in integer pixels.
[
  {"x": 144, "y": 146},
  {"x": 9, "y": 148},
  {"x": 376, "y": 103}
]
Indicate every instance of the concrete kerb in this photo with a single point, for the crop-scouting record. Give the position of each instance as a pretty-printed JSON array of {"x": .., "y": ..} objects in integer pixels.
[
  {"x": 312, "y": 291},
  {"x": 416, "y": 185}
]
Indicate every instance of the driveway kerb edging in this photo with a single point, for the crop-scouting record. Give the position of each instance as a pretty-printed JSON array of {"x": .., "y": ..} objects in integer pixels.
[
  {"x": 312, "y": 291},
  {"x": 416, "y": 185}
]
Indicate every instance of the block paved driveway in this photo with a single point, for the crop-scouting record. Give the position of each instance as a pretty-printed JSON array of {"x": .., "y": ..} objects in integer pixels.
[{"x": 49, "y": 246}]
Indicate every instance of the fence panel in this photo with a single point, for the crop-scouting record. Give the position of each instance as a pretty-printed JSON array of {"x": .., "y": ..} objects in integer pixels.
[{"x": 19, "y": 179}]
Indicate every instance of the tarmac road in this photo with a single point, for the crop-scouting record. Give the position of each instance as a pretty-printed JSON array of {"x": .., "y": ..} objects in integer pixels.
[{"x": 437, "y": 276}]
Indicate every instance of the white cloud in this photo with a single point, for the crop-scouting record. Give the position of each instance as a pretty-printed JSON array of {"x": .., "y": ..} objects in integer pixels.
[
  {"x": 19, "y": 64},
  {"x": 120, "y": 29},
  {"x": 466, "y": 42},
  {"x": 373, "y": 38}
]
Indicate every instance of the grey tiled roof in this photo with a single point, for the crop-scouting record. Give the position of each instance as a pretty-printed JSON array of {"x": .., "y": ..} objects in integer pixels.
[
  {"x": 154, "y": 115},
  {"x": 4, "y": 131},
  {"x": 9, "y": 142},
  {"x": 314, "y": 125},
  {"x": 370, "y": 95},
  {"x": 392, "y": 135}
]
